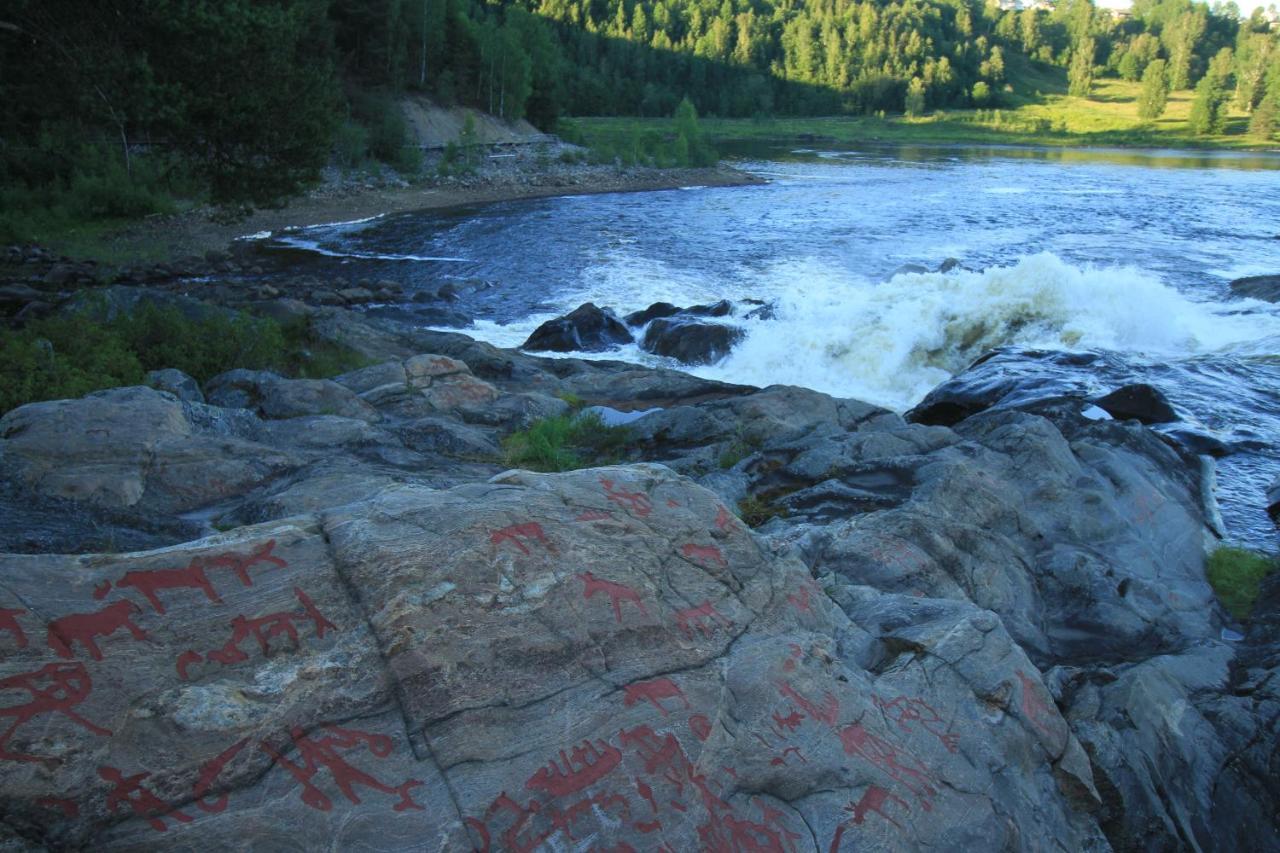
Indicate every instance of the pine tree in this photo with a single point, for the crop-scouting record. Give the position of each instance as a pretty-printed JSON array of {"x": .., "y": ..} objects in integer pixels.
[
  {"x": 1080, "y": 74},
  {"x": 1155, "y": 91},
  {"x": 914, "y": 104},
  {"x": 1266, "y": 116},
  {"x": 1208, "y": 109}
]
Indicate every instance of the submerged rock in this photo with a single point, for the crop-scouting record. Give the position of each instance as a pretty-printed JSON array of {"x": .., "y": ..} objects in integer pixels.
[
  {"x": 585, "y": 329},
  {"x": 1265, "y": 287}
]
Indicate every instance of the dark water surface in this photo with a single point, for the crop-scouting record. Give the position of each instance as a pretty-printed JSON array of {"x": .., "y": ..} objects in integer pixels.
[{"x": 1122, "y": 254}]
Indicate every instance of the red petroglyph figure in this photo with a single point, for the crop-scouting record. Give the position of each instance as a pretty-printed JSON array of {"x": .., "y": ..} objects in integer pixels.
[
  {"x": 653, "y": 691},
  {"x": 240, "y": 563},
  {"x": 825, "y": 713},
  {"x": 790, "y": 722},
  {"x": 594, "y": 515},
  {"x": 84, "y": 627},
  {"x": 638, "y": 502},
  {"x": 700, "y": 726},
  {"x": 801, "y": 601},
  {"x": 907, "y": 710},
  {"x": 796, "y": 653},
  {"x": 55, "y": 688},
  {"x": 552, "y": 820},
  {"x": 263, "y": 629},
  {"x": 1033, "y": 707},
  {"x": 705, "y": 555},
  {"x": 149, "y": 582},
  {"x": 592, "y": 762},
  {"x": 325, "y": 751},
  {"x": 617, "y": 593},
  {"x": 703, "y": 617},
  {"x": 515, "y": 533},
  {"x": 185, "y": 660},
  {"x": 209, "y": 775},
  {"x": 725, "y": 520},
  {"x": 145, "y": 804},
  {"x": 9, "y": 622},
  {"x": 69, "y": 808},
  {"x": 647, "y": 794},
  {"x": 898, "y": 763},
  {"x": 672, "y": 503},
  {"x": 873, "y": 800},
  {"x": 100, "y": 591},
  {"x": 782, "y": 759}
]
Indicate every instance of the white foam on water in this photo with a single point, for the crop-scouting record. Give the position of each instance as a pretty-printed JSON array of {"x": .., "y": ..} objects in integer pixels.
[
  {"x": 314, "y": 246},
  {"x": 891, "y": 343}
]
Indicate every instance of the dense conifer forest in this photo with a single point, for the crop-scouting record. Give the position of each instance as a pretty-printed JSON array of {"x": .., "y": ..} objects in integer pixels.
[{"x": 246, "y": 99}]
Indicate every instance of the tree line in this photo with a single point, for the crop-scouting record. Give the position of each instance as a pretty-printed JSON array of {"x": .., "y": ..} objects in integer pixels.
[{"x": 247, "y": 99}]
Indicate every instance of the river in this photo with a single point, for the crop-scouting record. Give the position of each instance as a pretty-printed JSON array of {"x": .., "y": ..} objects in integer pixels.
[{"x": 1124, "y": 255}]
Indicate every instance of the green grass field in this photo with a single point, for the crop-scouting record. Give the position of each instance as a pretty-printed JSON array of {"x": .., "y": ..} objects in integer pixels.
[{"x": 1038, "y": 112}]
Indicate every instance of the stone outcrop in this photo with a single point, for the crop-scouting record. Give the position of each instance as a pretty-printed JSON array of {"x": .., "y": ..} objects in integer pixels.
[{"x": 329, "y": 617}]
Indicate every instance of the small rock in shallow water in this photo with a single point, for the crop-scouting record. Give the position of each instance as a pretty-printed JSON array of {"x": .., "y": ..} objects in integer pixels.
[{"x": 1138, "y": 402}]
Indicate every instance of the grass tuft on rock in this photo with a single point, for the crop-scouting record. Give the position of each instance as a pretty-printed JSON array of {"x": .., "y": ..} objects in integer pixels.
[
  {"x": 71, "y": 355},
  {"x": 566, "y": 442},
  {"x": 756, "y": 510},
  {"x": 1236, "y": 576}
]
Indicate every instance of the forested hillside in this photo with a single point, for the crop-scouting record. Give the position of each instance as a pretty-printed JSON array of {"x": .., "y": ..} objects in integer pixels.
[{"x": 246, "y": 99}]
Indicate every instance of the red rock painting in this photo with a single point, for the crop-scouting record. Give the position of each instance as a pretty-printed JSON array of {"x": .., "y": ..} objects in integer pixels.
[
  {"x": 128, "y": 791},
  {"x": 262, "y": 629},
  {"x": 653, "y": 691},
  {"x": 616, "y": 592},
  {"x": 707, "y": 556},
  {"x": 55, "y": 688},
  {"x": 703, "y": 618},
  {"x": 519, "y": 534},
  {"x": 150, "y": 582},
  {"x": 637, "y": 502},
  {"x": 241, "y": 563},
  {"x": 583, "y": 766},
  {"x": 9, "y": 622},
  {"x": 910, "y": 712},
  {"x": 85, "y": 628},
  {"x": 324, "y": 750},
  {"x": 874, "y": 799},
  {"x": 897, "y": 762}
]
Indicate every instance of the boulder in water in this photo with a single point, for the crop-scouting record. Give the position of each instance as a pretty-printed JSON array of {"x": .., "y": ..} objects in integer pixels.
[
  {"x": 1138, "y": 402},
  {"x": 653, "y": 312},
  {"x": 585, "y": 329},
  {"x": 1265, "y": 287},
  {"x": 689, "y": 341}
]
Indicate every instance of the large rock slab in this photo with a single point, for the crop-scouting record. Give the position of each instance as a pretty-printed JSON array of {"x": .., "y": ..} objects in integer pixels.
[{"x": 526, "y": 663}]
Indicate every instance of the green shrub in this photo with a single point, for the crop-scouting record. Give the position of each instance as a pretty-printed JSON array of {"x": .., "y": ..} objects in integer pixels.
[
  {"x": 1236, "y": 576},
  {"x": 69, "y": 356},
  {"x": 755, "y": 510},
  {"x": 350, "y": 145},
  {"x": 566, "y": 442},
  {"x": 742, "y": 445}
]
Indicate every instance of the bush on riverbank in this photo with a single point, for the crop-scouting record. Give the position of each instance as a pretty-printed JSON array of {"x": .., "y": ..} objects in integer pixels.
[
  {"x": 1236, "y": 576},
  {"x": 566, "y": 442},
  {"x": 73, "y": 355}
]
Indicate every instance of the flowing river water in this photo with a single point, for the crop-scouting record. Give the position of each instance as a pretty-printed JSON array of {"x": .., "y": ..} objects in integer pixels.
[{"x": 1124, "y": 256}]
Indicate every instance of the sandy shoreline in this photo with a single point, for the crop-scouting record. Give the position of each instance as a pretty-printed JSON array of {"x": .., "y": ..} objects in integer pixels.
[{"x": 195, "y": 233}]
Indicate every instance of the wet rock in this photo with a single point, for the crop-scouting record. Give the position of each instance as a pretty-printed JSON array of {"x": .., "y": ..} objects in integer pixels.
[
  {"x": 653, "y": 312},
  {"x": 356, "y": 295},
  {"x": 1139, "y": 402},
  {"x": 585, "y": 329},
  {"x": 1273, "y": 500},
  {"x": 689, "y": 341},
  {"x": 176, "y": 383},
  {"x": 1265, "y": 287}
]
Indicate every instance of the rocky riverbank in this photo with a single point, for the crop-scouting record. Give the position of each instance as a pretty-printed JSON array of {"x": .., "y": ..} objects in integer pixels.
[
  {"x": 324, "y": 613},
  {"x": 499, "y": 173}
]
